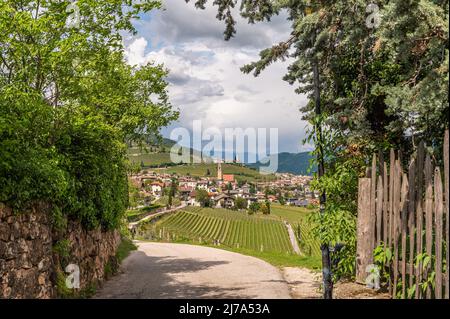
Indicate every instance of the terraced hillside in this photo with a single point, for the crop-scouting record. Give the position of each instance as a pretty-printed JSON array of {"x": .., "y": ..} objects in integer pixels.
[{"x": 232, "y": 229}]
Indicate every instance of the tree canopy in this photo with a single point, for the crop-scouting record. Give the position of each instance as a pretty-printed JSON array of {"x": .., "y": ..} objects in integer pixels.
[{"x": 69, "y": 102}]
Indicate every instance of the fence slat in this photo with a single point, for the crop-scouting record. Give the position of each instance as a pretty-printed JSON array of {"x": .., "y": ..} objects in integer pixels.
[
  {"x": 428, "y": 215},
  {"x": 391, "y": 196},
  {"x": 385, "y": 204},
  {"x": 419, "y": 215},
  {"x": 379, "y": 209},
  {"x": 420, "y": 164},
  {"x": 447, "y": 203},
  {"x": 373, "y": 194},
  {"x": 438, "y": 210},
  {"x": 364, "y": 251},
  {"x": 411, "y": 218},
  {"x": 404, "y": 229},
  {"x": 396, "y": 219},
  {"x": 391, "y": 207}
]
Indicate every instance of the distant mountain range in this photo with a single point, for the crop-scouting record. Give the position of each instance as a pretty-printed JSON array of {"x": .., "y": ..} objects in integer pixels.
[{"x": 290, "y": 163}]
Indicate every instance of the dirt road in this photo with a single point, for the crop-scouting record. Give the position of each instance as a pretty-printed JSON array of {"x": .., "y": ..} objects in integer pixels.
[{"x": 160, "y": 270}]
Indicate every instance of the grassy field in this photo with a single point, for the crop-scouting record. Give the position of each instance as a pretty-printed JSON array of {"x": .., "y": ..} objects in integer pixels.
[
  {"x": 150, "y": 159},
  {"x": 164, "y": 201},
  {"x": 154, "y": 156},
  {"x": 264, "y": 237}
]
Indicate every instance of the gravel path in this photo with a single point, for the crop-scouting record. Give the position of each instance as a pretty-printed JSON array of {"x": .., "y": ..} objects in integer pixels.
[
  {"x": 303, "y": 283},
  {"x": 161, "y": 270},
  {"x": 292, "y": 238}
]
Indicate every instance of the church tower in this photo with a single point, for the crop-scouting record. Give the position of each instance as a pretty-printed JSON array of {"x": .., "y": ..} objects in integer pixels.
[{"x": 219, "y": 171}]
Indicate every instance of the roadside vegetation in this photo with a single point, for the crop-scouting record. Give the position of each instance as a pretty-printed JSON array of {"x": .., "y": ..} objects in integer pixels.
[{"x": 125, "y": 248}]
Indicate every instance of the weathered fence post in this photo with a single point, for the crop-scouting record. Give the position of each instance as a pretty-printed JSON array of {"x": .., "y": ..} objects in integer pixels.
[
  {"x": 428, "y": 215},
  {"x": 365, "y": 230},
  {"x": 447, "y": 203},
  {"x": 438, "y": 210}
]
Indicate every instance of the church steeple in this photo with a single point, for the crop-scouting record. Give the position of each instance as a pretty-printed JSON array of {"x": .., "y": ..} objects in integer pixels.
[{"x": 219, "y": 171}]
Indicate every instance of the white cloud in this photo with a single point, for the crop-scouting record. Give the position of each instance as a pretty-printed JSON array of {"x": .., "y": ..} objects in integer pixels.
[{"x": 205, "y": 78}]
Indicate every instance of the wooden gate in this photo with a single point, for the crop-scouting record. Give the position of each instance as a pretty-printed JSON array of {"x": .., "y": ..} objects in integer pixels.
[{"x": 407, "y": 212}]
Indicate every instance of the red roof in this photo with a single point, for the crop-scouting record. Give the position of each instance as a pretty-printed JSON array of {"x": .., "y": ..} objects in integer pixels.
[{"x": 228, "y": 178}]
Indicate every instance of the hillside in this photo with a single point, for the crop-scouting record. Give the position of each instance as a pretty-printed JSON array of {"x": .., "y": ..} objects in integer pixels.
[
  {"x": 241, "y": 173},
  {"x": 156, "y": 154},
  {"x": 297, "y": 164},
  {"x": 158, "y": 157}
]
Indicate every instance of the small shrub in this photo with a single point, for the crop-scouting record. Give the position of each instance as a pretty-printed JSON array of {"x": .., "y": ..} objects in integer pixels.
[{"x": 62, "y": 248}]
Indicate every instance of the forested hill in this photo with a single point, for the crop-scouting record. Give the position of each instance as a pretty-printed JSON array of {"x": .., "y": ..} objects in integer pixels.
[{"x": 295, "y": 163}]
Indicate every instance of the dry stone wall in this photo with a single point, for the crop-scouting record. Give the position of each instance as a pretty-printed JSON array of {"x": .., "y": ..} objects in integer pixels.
[{"x": 29, "y": 265}]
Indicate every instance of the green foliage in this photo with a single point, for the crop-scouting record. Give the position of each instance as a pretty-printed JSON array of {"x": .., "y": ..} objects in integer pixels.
[
  {"x": 338, "y": 226},
  {"x": 68, "y": 104},
  {"x": 62, "y": 248},
  {"x": 61, "y": 288},
  {"x": 240, "y": 203},
  {"x": 382, "y": 257},
  {"x": 202, "y": 197},
  {"x": 134, "y": 198},
  {"x": 426, "y": 261},
  {"x": 164, "y": 201},
  {"x": 254, "y": 208},
  {"x": 64, "y": 292},
  {"x": 125, "y": 248},
  {"x": 266, "y": 208}
]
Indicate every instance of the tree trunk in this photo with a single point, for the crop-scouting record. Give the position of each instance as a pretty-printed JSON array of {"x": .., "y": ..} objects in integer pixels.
[{"x": 326, "y": 260}]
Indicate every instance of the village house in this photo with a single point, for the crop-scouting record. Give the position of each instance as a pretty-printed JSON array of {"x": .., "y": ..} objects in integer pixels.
[
  {"x": 202, "y": 185},
  {"x": 156, "y": 188},
  {"x": 184, "y": 192},
  {"x": 224, "y": 201},
  {"x": 192, "y": 199}
]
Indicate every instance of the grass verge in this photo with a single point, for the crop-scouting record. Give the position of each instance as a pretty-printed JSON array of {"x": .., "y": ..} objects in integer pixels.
[{"x": 125, "y": 248}]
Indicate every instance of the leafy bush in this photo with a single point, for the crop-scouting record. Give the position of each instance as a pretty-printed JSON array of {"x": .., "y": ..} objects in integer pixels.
[{"x": 338, "y": 227}]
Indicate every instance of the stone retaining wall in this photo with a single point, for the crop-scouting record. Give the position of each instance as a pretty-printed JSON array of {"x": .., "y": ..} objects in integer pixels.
[{"x": 29, "y": 266}]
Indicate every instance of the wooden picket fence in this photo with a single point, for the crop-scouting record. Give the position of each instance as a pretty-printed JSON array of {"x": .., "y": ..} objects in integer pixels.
[{"x": 408, "y": 213}]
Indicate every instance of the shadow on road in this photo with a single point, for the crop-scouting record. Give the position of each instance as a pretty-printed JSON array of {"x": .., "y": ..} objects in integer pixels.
[{"x": 164, "y": 277}]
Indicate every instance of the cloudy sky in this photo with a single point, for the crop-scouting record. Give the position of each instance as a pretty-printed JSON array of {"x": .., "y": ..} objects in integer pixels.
[{"x": 205, "y": 80}]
